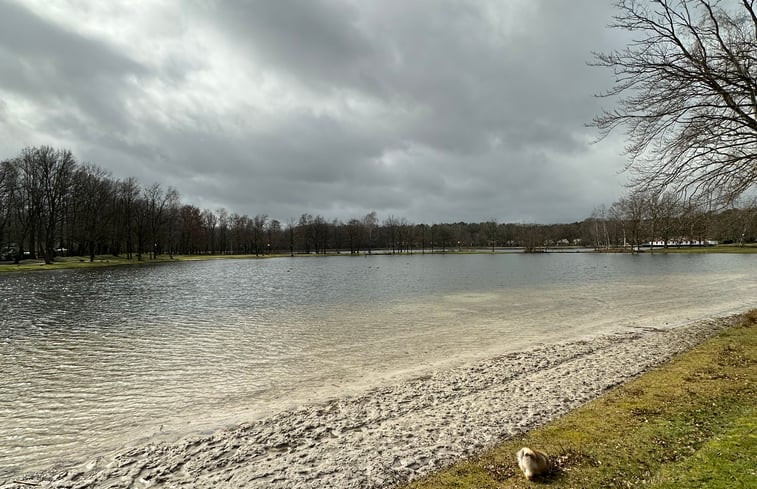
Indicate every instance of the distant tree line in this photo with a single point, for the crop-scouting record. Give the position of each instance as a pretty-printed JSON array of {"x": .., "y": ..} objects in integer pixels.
[
  {"x": 52, "y": 205},
  {"x": 643, "y": 217}
]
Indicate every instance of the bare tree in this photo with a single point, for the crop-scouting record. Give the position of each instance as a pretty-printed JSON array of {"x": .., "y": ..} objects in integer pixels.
[
  {"x": 668, "y": 210},
  {"x": 354, "y": 234},
  {"x": 405, "y": 236},
  {"x": 442, "y": 235},
  {"x": 223, "y": 230},
  {"x": 128, "y": 192},
  {"x": 492, "y": 232},
  {"x": 171, "y": 215},
  {"x": 320, "y": 233},
  {"x": 599, "y": 232},
  {"x": 421, "y": 231},
  {"x": 54, "y": 170},
  {"x": 746, "y": 220},
  {"x": 192, "y": 235},
  {"x": 695, "y": 220},
  {"x": 291, "y": 226},
  {"x": 391, "y": 224},
  {"x": 370, "y": 221},
  {"x": 8, "y": 176},
  {"x": 93, "y": 189},
  {"x": 688, "y": 87},
  {"x": 273, "y": 229},
  {"x": 259, "y": 223},
  {"x": 632, "y": 211},
  {"x": 209, "y": 222},
  {"x": 154, "y": 209},
  {"x": 532, "y": 238},
  {"x": 305, "y": 233}
]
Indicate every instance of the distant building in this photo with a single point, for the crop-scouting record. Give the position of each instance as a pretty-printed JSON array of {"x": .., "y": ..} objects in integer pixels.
[{"x": 679, "y": 242}]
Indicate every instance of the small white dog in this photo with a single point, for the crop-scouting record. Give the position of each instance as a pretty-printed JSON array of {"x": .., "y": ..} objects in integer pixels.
[{"x": 532, "y": 462}]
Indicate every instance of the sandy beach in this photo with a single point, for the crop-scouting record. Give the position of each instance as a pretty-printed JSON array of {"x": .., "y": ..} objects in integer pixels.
[{"x": 394, "y": 433}]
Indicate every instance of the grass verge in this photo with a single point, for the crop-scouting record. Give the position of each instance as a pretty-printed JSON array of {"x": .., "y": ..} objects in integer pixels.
[
  {"x": 690, "y": 423},
  {"x": 749, "y": 248},
  {"x": 71, "y": 262}
]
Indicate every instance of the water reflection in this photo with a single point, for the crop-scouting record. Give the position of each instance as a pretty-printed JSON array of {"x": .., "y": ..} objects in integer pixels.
[{"x": 95, "y": 358}]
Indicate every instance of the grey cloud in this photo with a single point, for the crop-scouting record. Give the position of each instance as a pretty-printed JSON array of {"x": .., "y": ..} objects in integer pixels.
[
  {"x": 76, "y": 80},
  {"x": 475, "y": 120},
  {"x": 467, "y": 83},
  {"x": 315, "y": 40},
  {"x": 35, "y": 41}
]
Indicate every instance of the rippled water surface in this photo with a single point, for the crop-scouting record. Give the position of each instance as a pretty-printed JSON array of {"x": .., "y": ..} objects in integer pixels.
[{"x": 94, "y": 359}]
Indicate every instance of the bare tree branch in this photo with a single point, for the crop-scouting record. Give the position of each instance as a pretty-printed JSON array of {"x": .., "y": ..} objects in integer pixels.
[{"x": 686, "y": 93}]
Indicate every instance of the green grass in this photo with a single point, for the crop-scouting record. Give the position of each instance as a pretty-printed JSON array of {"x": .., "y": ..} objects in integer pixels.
[
  {"x": 111, "y": 261},
  {"x": 69, "y": 262},
  {"x": 75, "y": 262},
  {"x": 749, "y": 248},
  {"x": 690, "y": 423}
]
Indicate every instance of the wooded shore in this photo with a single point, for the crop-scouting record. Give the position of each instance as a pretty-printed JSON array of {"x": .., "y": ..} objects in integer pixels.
[{"x": 74, "y": 262}]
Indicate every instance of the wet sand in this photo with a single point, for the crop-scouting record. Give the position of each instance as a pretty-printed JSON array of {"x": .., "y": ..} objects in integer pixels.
[{"x": 394, "y": 433}]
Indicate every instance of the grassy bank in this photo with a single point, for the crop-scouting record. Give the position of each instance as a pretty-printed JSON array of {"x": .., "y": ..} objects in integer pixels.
[
  {"x": 70, "y": 262},
  {"x": 731, "y": 248},
  {"x": 691, "y": 423},
  {"x": 78, "y": 262},
  {"x": 109, "y": 260},
  {"x": 749, "y": 248}
]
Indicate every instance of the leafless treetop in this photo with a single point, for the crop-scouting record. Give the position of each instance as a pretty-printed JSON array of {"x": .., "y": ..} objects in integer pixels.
[{"x": 687, "y": 95}]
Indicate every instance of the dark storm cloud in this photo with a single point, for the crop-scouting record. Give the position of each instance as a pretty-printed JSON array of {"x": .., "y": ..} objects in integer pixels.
[{"x": 431, "y": 110}]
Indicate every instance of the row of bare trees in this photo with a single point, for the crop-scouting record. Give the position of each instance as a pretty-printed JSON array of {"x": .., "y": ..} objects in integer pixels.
[
  {"x": 51, "y": 205},
  {"x": 645, "y": 218}
]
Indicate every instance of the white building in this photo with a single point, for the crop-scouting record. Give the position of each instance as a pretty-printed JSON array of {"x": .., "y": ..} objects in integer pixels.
[{"x": 680, "y": 242}]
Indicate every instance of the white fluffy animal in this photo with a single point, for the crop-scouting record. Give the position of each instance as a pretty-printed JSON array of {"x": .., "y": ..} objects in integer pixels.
[{"x": 533, "y": 463}]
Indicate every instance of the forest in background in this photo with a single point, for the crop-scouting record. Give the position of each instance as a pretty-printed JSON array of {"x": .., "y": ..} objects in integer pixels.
[{"x": 51, "y": 205}]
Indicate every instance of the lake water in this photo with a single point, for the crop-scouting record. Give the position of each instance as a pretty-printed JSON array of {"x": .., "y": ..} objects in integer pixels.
[{"x": 94, "y": 359}]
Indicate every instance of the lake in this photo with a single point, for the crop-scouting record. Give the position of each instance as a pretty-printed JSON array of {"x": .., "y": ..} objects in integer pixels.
[{"x": 92, "y": 360}]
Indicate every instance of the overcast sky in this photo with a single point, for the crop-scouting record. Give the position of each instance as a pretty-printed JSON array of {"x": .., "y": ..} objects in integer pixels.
[{"x": 431, "y": 110}]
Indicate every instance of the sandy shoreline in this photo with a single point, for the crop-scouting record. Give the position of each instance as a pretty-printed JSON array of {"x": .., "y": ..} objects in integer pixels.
[{"x": 394, "y": 433}]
